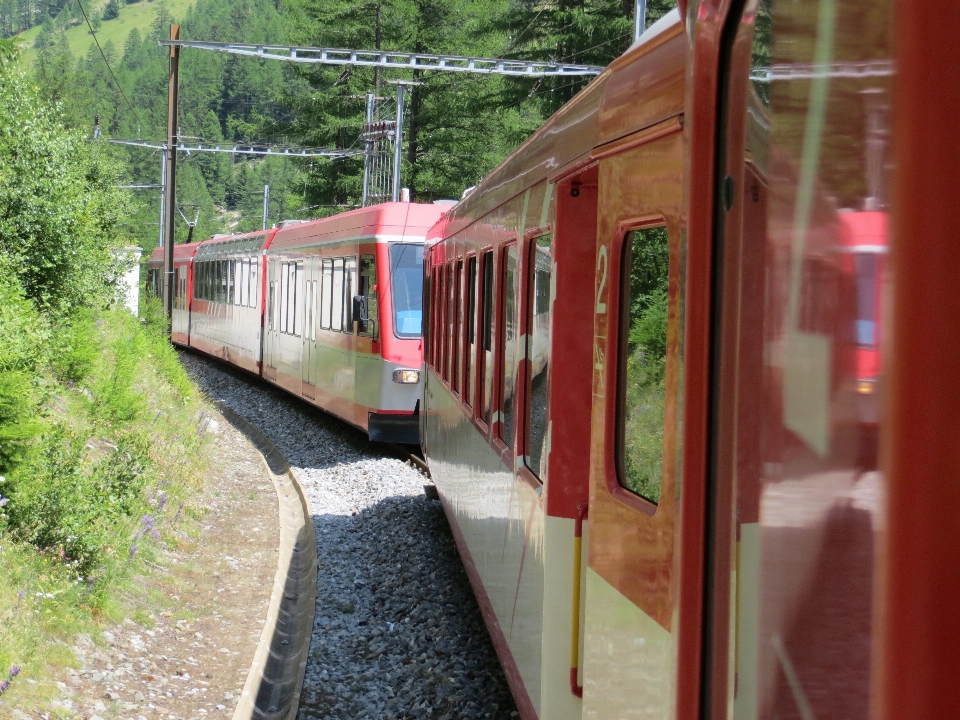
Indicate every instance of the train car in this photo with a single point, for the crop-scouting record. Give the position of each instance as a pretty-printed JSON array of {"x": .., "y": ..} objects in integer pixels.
[
  {"x": 652, "y": 455},
  {"x": 227, "y": 304},
  {"x": 343, "y": 315},
  {"x": 183, "y": 287}
]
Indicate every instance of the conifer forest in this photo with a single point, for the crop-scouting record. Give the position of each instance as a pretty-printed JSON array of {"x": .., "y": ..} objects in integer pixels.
[{"x": 101, "y": 62}]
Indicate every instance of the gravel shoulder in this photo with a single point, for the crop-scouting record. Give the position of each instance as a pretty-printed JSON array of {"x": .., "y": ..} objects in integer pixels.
[
  {"x": 398, "y": 633},
  {"x": 195, "y": 620}
]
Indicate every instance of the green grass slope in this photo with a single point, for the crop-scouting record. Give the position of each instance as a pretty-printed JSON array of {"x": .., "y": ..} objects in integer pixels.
[{"x": 140, "y": 16}]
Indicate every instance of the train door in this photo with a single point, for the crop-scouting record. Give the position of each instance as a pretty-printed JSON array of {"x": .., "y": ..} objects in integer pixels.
[
  {"x": 311, "y": 295},
  {"x": 791, "y": 512},
  {"x": 628, "y": 636}
]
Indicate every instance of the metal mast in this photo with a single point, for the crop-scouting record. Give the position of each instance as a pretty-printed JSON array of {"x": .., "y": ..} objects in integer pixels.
[{"x": 170, "y": 181}]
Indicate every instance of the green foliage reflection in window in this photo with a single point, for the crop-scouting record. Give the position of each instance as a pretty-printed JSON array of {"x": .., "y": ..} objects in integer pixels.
[{"x": 646, "y": 255}]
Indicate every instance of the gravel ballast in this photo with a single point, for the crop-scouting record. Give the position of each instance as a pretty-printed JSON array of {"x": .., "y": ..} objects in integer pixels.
[{"x": 398, "y": 633}]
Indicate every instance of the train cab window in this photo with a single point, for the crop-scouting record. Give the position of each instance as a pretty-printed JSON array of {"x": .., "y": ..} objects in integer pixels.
[
  {"x": 336, "y": 307},
  {"x": 538, "y": 352},
  {"x": 508, "y": 344},
  {"x": 349, "y": 287},
  {"x": 643, "y": 352},
  {"x": 444, "y": 310},
  {"x": 866, "y": 322},
  {"x": 243, "y": 267},
  {"x": 457, "y": 352},
  {"x": 406, "y": 264},
  {"x": 271, "y": 306},
  {"x": 368, "y": 324},
  {"x": 486, "y": 336},
  {"x": 231, "y": 282},
  {"x": 283, "y": 302},
  {"x": 470, "y": 341}
]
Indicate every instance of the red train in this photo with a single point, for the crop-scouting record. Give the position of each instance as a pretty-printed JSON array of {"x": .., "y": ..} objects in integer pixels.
[
  {"x": 329, "y": 310},
  {"x": 682, "y": 481}
]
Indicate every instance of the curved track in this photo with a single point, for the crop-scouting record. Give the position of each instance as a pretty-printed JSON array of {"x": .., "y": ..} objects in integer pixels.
[{"x": 397, "y": 632}]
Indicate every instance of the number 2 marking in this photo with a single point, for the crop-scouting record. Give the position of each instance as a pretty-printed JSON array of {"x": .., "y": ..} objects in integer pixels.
[{"x": 602, "y": 271}]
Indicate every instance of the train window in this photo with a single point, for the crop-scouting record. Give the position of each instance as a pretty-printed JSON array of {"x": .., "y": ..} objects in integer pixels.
[
  {"x": 284, "y": 291},
  {"x": 336, "y": 308},
  {"x": 470, "y": 371},
  {"x": 449, "y": 344},
  {"x": 254, "y": 287},
  {"x": 457, "y": 353},
  {"x": 294, "y": 305},
  {"x": 271, "y": 306},
  {"x": 368, "y": 290},
  {"x": 508, "y": 343},
  {"x": 309, "y": 310},
  {"x": 326, "y": 297},
  {"x": 434, "y": 316},
  {"x": 866, "y": 322},
  {"x": 231, "y": 282},
  {"x": 243, "y": 280},
  {"x": 646, "y": 263},
  {"x": 538, "y": 352},
  {"x": 406, "y": 281},
  {"x": 486, "y": 335},
  {"x": 222, "y": 281},
  {"x": 349, "y": 285}
]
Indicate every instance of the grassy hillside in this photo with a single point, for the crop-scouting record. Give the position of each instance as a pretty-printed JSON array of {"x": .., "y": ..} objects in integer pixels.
[{"x": 140, "y": 16}]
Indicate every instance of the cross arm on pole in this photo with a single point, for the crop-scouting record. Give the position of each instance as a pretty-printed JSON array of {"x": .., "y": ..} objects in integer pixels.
[{"x": 397, "y": 60}]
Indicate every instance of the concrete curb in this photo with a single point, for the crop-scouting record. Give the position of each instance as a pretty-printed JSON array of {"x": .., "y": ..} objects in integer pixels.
[{"x": 273, "y": 686}]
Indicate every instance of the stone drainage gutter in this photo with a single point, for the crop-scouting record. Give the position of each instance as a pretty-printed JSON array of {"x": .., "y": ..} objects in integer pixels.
[{"x": 273, "y": 686}]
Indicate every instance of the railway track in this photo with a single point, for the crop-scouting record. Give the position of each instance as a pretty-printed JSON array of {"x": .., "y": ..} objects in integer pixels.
[{"x": 397, "y": 632}]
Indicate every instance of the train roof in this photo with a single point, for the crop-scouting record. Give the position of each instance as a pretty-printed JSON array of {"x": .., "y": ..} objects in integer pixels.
[
  {"x": 182, "y": 251},
  {"x": 605, "y": 111},
  {"x": 392, "y": 219}
]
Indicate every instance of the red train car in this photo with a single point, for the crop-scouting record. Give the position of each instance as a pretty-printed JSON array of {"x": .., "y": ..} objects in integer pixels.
[
  {"x": 693, "y": 426},
  {"x": 330, "y": 310}
]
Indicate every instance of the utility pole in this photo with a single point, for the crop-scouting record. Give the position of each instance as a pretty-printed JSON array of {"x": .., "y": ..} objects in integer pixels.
[
  {"x": 368, "y": 145},
  {"x": 398, "y": 141},
  {"x": 170, "y": 181},
  {"x": 163, "y": 193},
  {"x": 266, "y": 204},
  {"x": 639, "y": 19}
]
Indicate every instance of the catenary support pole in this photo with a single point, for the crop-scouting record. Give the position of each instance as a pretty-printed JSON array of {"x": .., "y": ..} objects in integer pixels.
[
  {"x": 639, "y": 18},
  {"x": 398, "y": 142},
  {"x": 170, "y": 191},
  {"x": 266, "y": 204},
  {"x": 368, "y": 149},
  {"x": 163, "y": 191}
]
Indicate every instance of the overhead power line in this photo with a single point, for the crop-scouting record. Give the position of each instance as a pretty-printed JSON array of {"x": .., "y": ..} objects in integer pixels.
[
  {"x": 393, "y": 60},
  {"x": 254, "y": 149}
]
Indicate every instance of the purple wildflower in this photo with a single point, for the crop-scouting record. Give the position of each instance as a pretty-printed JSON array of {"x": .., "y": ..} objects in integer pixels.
[
  {"x": 162, "y": 501},
  {"x": 14, "y": 671},
  {"x": 156, "y": 534},
  {"x": 20, "y": 595},
  {"x": 147, "y": 521},
  {"x": 4, "y": 501},
  {"x": 133, "y": 551},
  {"x": 3, "y": 686}
]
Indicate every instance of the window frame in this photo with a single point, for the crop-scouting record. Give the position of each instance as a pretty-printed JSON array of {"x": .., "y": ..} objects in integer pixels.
[{"x": 622, "y": 249}]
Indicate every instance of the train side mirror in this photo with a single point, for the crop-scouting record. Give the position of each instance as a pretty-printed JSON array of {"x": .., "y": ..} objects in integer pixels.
[{"x": 360, "y": 312}]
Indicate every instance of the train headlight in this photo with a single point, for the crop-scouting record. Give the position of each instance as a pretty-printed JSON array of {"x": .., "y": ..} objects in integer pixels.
[
  {"x": 406, "y": 377},
  {"x": 866, "y": 387}
]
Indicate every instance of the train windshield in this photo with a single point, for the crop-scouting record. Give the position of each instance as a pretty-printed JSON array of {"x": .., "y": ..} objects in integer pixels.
[{"x": 406, "y": 265}]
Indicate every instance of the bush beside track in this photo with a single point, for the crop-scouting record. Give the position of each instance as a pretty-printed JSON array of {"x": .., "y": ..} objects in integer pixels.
[{"x": 101, "y": 432}]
